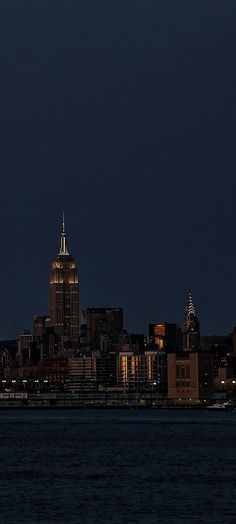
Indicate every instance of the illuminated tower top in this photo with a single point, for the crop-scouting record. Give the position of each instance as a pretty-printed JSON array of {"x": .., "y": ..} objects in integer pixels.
[
  {"x": 189, "y": 310},
  {"x": 191, "y": 337},
  {"x": 63, "y": 246}
]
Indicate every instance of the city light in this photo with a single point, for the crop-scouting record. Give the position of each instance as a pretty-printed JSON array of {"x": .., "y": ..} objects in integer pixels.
[{"x": 161, "y": 366}]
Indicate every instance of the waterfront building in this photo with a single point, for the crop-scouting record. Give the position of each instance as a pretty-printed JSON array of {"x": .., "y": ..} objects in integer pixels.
[
  {"x": 128, "y": 369},
  {"x": 142, "y": 371},
  {"x": 107, "y": 369},
  {"x": 82, "y": 372},
  {"x": 64, "y": 297},
  {"x": 221, "y": 348},
  {"x": 155, "y": 369},
  {"x": 190, "y": 377},
  {"x": 54, "y": 372}
]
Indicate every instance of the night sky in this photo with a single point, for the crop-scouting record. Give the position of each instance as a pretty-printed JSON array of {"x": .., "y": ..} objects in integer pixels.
[{"x": 122, "y": 112}]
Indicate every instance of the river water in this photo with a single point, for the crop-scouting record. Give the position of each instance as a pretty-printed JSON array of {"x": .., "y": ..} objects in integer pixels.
[{"x": 117, "y": 466}]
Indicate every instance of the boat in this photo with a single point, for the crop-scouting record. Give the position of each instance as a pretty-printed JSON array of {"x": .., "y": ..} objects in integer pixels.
[{"x": 220, "y": 406}]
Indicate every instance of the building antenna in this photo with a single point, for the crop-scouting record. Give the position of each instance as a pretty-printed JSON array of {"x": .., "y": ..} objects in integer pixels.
[
  {"x": 63, "y": 245},
  {"x": 63, "y": 220}
]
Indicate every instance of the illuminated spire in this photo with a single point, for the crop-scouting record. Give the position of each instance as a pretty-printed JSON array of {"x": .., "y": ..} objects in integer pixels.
[
  {"x": 190, "y": 307},
  {"x": 191, "y": 335},
  {"x": 63, "y": 246}
]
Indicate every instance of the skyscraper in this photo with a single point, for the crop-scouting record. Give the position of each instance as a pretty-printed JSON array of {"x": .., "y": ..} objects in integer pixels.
[
  {"x": 190, "y": 372},
  {"x": 103, "y": 322},
  {"x": 64, "y": 296},
  {"x": 191, "y": 335},
  {"x": 166, "y": 336}
]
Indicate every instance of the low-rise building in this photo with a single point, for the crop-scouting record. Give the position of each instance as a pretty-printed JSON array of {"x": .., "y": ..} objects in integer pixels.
[{"x": 190, "y": 377}]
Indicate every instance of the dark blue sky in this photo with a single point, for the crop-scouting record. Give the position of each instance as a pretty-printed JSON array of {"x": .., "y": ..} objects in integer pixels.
[{"x": 123, "y": 112}]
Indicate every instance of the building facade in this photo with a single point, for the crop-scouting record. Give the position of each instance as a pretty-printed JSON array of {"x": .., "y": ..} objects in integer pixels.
[
  {"x": 104, "y": 326},
  {"x": 190, "y": 377},
  {"x": 166, "y": 336}
]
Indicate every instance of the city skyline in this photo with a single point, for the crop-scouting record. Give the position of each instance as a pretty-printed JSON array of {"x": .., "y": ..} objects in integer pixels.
[
  {"x": 128, "y": 122},
  {"x": 65, "y": 264},
  {"x": 117, "y": 261}
]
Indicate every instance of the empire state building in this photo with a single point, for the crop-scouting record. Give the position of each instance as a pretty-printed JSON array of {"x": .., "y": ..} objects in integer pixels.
[{"x": 64, "y": 296}]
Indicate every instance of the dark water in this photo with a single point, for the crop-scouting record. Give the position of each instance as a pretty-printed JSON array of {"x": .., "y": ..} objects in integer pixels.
[{"x": 117, "y": 467}]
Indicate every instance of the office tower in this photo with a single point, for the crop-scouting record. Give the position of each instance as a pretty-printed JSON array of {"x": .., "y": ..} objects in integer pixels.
[
  {"x": 191, "y": 335},
  {"x": 41, "y": 323},
  {"x": 25, "y": 346},
  {"x": 107, "y": 369},
  {"x": 83, "y": 372},
  {"x": 155, "y": 370},
  {"x": 166, "y": 336},
  {"x": 127, "y": 369},
  {"x": 222, "y": 350},
  {"x": 138, "y": 341},
  {"x": 46, "y": 334},
  {"x": 145, "y": 371},
  {"x": 103, "y": 322},
  {"x": 64, "y": 297}
]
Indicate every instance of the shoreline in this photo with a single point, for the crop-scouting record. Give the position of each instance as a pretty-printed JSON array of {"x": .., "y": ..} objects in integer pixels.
[{"x": 105, "y": 408}]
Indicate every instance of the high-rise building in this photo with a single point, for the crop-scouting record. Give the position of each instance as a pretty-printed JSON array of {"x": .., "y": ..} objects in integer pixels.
[
  {"x": 25, "y": 346},
  {"x": 222, "y": 350},
  {"x": 191, "y": 335},
  {"x": 142, "y": 371},
  {"x": 46, "y": 333},
  {"x": 166, "y": 336},
  {"x": 82, "y": 372},
  {"x": 103, "y": 322},
  {"x": 64, "y": 297},
  {"x": 190, "y": 372}
]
